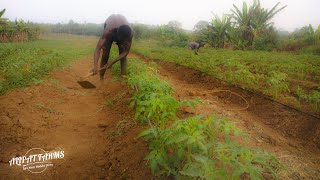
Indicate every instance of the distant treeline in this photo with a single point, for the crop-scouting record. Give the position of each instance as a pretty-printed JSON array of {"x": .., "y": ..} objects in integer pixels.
[
  {"x": 215, "y": 34},
  {"x": 172, "y": 34},
  {"x": 246, "y": 28},
  {"x": 18, "y": 30},
  {"x": 72, "y": 27},
  {"x": 303, "y": 40}
]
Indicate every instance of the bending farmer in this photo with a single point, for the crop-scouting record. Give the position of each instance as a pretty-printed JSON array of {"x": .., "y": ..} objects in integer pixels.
[
  {"x": 195, "y": 46},
  {"x": 116, "y": 29}
]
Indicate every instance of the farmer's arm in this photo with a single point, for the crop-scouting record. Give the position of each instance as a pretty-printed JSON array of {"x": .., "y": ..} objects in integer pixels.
[
  {"x": 124, "y": 54},
  {"x": 99, "y": 46},
  {"x": 97, "y": 50}
]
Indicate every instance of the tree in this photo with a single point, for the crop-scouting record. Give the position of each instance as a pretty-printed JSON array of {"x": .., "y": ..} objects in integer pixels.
[
  {"x": 218, "y": 31},
  {"x": 200, "y": 31},
  {"x": 253, "y": 21},
  {"x": 318, "y": 33},
  {"x": 201, "y": 25},
  {"x": 172, "y": 34},
  {"x": 305, "y": 35},
  {"x": 3, "y": 21},
  {"x": 174, "y": 25},
  {"x": 261, "y": 17},
  {"x": 243, "y": 22}
]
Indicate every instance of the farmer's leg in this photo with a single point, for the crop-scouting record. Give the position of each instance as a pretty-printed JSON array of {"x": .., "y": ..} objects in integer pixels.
[
  {"x": 196, "y": 51},
  {"x": 123, "y": 62},
  {"x": 105, "y": 58}
]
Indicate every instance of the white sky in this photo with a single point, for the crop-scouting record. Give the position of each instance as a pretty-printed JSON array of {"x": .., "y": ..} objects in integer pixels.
[{"x": 298, "y": 13}]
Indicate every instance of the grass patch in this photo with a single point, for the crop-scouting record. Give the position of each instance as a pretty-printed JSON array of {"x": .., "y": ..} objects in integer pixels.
[{"x": 23, "y": 64}]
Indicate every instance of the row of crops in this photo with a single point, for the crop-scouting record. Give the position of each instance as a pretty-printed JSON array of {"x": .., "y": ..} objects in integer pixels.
[
  {"x": 287, "y": 77},
  {"x": 197, "y": 147}
]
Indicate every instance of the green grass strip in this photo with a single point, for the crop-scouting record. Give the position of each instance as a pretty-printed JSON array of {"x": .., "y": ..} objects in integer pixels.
[{"x": 23, "y": 64}]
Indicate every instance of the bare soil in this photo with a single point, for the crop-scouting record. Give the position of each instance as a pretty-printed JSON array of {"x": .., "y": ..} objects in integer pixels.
[{"x": 96, "y": 130}]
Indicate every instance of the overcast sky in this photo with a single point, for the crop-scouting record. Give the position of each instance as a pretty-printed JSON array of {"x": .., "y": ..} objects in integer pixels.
[{"x": 298, "y": 13}]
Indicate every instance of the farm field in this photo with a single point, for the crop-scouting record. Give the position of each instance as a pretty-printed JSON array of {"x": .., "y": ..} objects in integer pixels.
[
  {"x": 42, "y": 104},
  {"x": 24, "y": 64},
  {"x": 288, "y": 78}
]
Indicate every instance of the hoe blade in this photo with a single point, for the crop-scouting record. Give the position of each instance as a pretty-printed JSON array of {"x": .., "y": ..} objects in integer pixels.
[{"x": 86, "y": 84}]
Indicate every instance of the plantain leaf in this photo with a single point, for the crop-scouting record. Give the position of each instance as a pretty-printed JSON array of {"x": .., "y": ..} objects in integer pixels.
[{"x": 2, "y": 12}]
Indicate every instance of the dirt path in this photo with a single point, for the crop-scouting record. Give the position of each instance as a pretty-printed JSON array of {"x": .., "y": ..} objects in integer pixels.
[
  {"x": 293, "y": 137},
  {"x": 94, "y": 128}
]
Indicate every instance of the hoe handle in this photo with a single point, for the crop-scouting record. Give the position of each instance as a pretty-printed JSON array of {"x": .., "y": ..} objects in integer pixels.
[{"x": 91, "y": 73}]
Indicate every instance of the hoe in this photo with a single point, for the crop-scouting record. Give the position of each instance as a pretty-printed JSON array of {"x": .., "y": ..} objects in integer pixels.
[{"x": 86, "y": 84}]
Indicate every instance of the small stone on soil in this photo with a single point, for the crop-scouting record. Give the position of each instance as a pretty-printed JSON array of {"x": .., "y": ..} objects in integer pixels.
[
  {"x": 20, "y": 101},
  {"x": 102, "y": 125},
  {"x": 101, "y": 163}
]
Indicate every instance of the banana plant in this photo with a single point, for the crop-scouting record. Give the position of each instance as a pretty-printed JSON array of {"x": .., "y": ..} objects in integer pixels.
[
  {"x": 21, "y": 25},
  {"x": 253, "y": 20},
  {"x": 243, "y": 21},
  {"x": 221, "y": 28},
  {"x": 3, "y": 21},
  {"x": 261, "y": 17}
]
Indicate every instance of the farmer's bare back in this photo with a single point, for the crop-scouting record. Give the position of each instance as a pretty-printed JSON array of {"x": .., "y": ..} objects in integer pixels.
[{"x": 116, "y": 29}]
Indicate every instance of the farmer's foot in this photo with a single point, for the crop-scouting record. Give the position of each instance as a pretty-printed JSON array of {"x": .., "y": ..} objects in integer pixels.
[{"x": 101, "y": 80}]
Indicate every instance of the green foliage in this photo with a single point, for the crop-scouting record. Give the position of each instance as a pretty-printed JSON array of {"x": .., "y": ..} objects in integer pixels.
[
  {"x": 267, "y": 40},
  {"x": 143, "y": 31},
  {"x": 246, "y": 27},
  {"x": 196, "y": 147},
  {"x": 261, "y": 17},
  {"x": 26, "y": 63},
  {"x": 276, "y": 84},
  {"x": 18, "y": 30},
  {"x": 218, "y": 31},
  {"x": 172, "y": 35},
  {"x": 313, "y": 97},
  {"x": 200, "y": 33},
  {"x": 313, "y": 49},
  {"x": 270, "y": 73},
  {"x": 253, "y": 24},
  {"x": 2, "y": 20},
  {"x": 2, "y": 12},
  {"x": 243, "y": 19},
  {"x": 305, "y": 40},
  {"x": 152, "y": 99},
  {"x": 204, "y": 148},
  {"x": 74, "y": 28}
]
